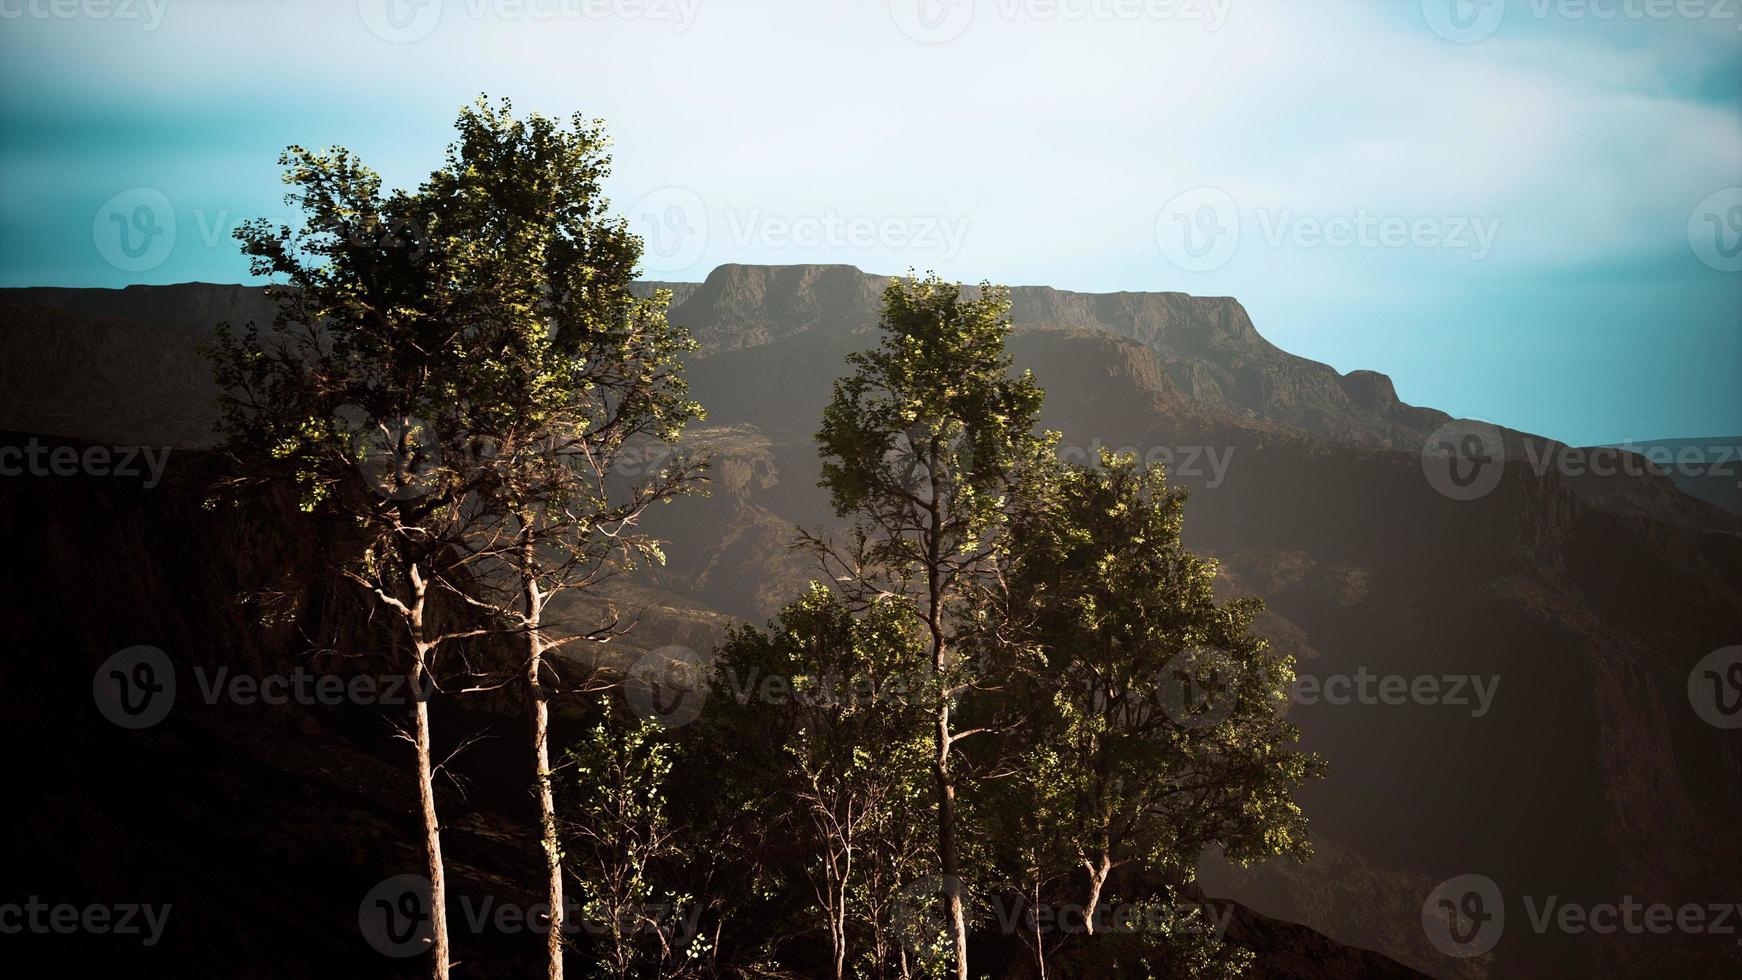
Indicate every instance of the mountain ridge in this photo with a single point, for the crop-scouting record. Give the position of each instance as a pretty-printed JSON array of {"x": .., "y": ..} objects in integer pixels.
[
  {"x": 1590, "y": 597},
  {"x": 1207, "y": 347}
]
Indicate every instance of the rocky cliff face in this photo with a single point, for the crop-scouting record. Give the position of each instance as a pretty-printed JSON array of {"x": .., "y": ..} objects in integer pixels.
[
  {"x": 1584, "y": 601},
  {"x": 1208, "y": 346}
]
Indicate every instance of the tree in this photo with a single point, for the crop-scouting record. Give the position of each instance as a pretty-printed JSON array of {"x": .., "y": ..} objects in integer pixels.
[
  {"x": 922, "y": 445},
  {"x": 475, "y": 348},
  {"x": 835, "y": 706},
  {"x": 577, "y": 375},
  {"x": 1164, "y": 735},
  {"x": 620, "y": 815},
  {"x": 357, "y": 396}
]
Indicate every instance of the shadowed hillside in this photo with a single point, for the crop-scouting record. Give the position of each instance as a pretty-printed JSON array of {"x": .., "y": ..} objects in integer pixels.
[{"x": 1579, "y": 602}]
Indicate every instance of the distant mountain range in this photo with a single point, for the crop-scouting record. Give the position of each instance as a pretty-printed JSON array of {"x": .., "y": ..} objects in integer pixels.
[{"x": 1579, "y": 600}]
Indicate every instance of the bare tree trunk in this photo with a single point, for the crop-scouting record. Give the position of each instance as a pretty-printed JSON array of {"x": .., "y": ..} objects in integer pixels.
[
  {"x": 547, "y": 823},
  {"x": 840, "y": 927},
  {"x": 1097, "y": 880},
  {"x": 553, "y": 862},
  {"x": 946, "y": 785},
  {"x": 422, "y": 686},
  {"x": 840, "y": 938},
  {"x": 1039, "y": 937},
  {"x": 947, "y": 856},
  {"x": 432, "y": 838}
]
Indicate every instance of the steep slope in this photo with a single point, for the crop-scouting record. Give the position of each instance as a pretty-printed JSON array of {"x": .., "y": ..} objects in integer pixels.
[
  {"x": 1588, "y": 598},
  {"x": 263, "y": 826}
]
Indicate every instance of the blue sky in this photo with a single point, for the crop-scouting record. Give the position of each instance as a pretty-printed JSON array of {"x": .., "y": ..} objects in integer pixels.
[{"x": 1525, "y": 210}]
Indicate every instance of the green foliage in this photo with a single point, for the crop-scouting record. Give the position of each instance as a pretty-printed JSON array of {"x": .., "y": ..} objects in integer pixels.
[
  {"x": 923, "y": 439},
  {"x": 838, "y": 703},
  {"x": 622, "y": 844},
  {"x": 1163, "y": 734},
  {"x": 923, "y": 446},
  {"x": 454, "y": 372},
  {"x": 535, "y": 275},
  {"x": 492, "y": 302}
]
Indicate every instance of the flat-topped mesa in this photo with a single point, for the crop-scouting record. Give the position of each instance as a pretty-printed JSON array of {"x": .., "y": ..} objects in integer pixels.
[
  {"x": 751, "y": 305},
  {"x": 1207, "y": 346},
  {"x": 1196, "y": 325}
]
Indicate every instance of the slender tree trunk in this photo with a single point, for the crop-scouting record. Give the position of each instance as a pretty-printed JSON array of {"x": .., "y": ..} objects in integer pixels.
[
  {"x": 421, "y": 686},
  {"x": 946, "y": 787},
  {"x": 553, "y": 861},
  {"x": 432, "y": 842},
  {"x": 840, "y": 937},
  {"x": 1097, "y": 880},
  {"x": 946, "y": 784},
  {"x": 946, "y": 792},
  {"x": 841, "y": 922},
  {"x": 1039, "y": 937}
]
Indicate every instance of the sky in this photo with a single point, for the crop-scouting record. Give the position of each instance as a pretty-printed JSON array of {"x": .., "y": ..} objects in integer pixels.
[{"x": 1524, "y": 211}]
